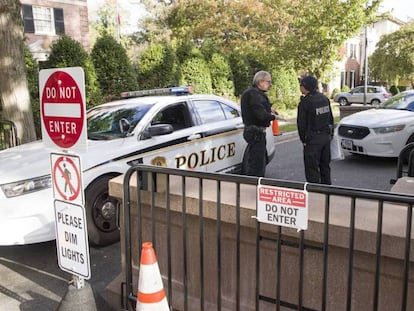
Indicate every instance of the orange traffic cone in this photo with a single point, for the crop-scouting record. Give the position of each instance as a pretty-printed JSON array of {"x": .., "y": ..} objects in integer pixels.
[
  {"x": 275, "y": 127},
  {"x": 151, "y": 294}
]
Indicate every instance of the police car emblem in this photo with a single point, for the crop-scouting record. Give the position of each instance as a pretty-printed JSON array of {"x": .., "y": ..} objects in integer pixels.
[{"x": 159, "y": 161}]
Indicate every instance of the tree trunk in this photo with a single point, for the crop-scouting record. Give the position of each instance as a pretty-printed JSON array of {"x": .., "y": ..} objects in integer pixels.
[{"x": 14, "y": 91}]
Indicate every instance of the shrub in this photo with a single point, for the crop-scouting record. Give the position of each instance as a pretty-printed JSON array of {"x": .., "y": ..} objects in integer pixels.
[
  {"x": 67, "y": 52},
  {"x": 157, "y": 67},
  {"x": 242, "y": 76},
  {"x": 284, "y": 93},
  {"x": 394, "y": 90},
  {"x": 334, "y": 92},
  {"x": 195, "y": 72},
  {"x": 345, "y": 88},
  {"x": 221, "y": 76},
  {"x": 113, "y": 67}
]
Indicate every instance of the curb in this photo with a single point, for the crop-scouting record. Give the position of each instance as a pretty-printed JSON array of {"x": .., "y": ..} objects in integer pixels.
[{"x": 286, "y": 136}]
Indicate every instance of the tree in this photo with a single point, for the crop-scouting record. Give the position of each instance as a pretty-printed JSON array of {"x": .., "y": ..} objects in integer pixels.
[
  {"x": 14, "y": 91},
  {"x": 67, "y": 52},
  {"x": 113, "y": 68},
  {"x": 33, "y": 83},
  {"x": 393, "y": 58},
  {"x": 243, "y": 26},
  {"x": 321, "y": 28},
  {"x": 305, "y": 33}
]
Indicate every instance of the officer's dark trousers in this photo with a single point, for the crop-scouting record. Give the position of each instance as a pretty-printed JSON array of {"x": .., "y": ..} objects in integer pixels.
[
  {"x": 254, "y": 159},
  {"x": 317, "y": 158}
]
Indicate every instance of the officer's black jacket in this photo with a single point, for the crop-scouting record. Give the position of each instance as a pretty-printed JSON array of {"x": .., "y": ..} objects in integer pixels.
[
  {"x": 256, "y": 108},
  {"x": 314, "y": 116}
]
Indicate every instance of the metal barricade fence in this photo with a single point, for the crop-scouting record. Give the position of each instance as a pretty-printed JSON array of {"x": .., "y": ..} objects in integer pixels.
[
  {"x": 148, "y": 177},
  {"x": 8, "y": 134}
]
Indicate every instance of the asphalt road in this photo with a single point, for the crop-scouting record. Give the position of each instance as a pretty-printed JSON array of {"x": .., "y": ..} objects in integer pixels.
[
  {"x": 354, "y": 171},
  {"x": 31, "y": 280}
]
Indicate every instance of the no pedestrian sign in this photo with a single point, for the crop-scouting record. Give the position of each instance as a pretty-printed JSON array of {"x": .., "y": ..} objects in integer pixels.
[
  {"x": 63, "y": 107},
  {"x": 282, "y": 206},
  {"x": 67, "y": 178}
]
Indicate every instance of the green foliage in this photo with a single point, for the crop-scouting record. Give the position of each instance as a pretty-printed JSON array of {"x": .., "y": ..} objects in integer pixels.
[
  {"x": 67, "y": 52},
  {"x": 264, "y": 28},
  {"x": 244, "y": 26},
  {"x": 186, "y": 50},
  {"x": 195, "y": 72},
  {"x": 221, "y": 76},
  {"x": 345, "y": 88},
  {"x": 284, "y": 93},
  {"x": 241, "y": 72},
  {"x": 157, "y": 67},
  {"x": 114, "y": 70},
  {"x": 32, "y": 72},
  {"x": 394, "y": 90},
  {"x": 393, "y": 58},
  {"x": 321, "y": 28},
  {"x": 334, "y": 92}
]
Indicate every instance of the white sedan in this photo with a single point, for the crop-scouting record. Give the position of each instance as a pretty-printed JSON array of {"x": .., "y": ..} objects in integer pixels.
[
  {"x": 381, "y": 132},
  {"x": 197, "y": 132}
]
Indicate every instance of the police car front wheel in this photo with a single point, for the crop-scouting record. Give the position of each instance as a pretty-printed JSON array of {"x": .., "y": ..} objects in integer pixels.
[{"x": 102, "y": 213}]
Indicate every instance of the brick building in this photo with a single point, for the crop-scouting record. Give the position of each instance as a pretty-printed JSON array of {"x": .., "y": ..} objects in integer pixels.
[{"x": 46, "y": 20}]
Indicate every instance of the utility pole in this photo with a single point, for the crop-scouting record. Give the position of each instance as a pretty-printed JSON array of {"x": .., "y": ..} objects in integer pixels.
[{"x": 366, "y": 66}]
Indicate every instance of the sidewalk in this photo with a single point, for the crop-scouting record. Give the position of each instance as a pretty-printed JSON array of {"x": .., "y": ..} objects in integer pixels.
[{"x": 288, "y": 136}]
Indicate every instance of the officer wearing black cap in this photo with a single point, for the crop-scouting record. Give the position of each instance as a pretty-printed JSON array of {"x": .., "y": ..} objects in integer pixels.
[
  {"x": 315, "y": 125},
  {"x": 256, "y": 114}
]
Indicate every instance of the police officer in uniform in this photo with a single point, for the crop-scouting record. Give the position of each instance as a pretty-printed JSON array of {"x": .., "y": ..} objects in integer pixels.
[
  {"x": 257, "y": 114},
  {"x": 315, "y": 126}
]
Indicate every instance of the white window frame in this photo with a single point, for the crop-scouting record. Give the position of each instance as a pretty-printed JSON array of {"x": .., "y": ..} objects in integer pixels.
[{"x": 43, "y": 15}]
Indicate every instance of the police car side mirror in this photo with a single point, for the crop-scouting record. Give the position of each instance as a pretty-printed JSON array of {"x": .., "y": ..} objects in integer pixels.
[{"x": 157, "y": 130}]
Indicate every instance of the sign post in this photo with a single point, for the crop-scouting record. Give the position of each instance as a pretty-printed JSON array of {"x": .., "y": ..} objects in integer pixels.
[{"x": 63, "y": 112}]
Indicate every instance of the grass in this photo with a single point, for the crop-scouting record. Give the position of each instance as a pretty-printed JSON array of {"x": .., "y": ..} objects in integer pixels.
[{"x": 291, "y": 114}]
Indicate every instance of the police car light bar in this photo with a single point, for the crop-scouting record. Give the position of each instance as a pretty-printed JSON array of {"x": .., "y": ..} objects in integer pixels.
[{"x": 177, "y": 90}]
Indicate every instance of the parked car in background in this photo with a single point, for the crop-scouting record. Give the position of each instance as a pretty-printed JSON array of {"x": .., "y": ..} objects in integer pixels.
[
  {"x": 200, "y": 132},
  {"x": 382, "y": 131},
  {"x": 375, "y": 95}
]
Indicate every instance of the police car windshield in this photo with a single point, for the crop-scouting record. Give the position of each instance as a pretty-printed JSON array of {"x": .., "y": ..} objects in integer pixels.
[
  {"x": 401, "y": 101},
  {"x": 104, "y": 121}
]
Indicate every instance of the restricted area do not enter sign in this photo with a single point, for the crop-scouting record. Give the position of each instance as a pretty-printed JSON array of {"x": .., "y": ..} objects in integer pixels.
[{"x": 63, "y": 107}]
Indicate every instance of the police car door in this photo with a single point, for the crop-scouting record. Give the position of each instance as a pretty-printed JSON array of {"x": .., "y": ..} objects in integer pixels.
[
  {"x": 222, "y": 144},
  {"x": 173, "y": 138}
]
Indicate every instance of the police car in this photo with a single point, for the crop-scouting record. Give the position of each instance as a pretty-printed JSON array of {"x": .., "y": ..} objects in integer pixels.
[
  {"x": 178, "y": 130},
  {"x": 380, "y": 132}
]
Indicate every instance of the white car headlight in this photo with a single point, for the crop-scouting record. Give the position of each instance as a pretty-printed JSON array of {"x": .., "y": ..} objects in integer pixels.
[
  {"x": 26, "y": 186},
  {"x": 389, "y": 129}
]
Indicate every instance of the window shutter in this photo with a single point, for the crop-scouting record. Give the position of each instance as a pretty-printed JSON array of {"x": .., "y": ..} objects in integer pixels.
[
  {"x": 59, "y": 21},
  {"x": 28, "y": 18}
]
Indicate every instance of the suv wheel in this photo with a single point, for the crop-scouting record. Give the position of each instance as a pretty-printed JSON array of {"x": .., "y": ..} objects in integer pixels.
[
  {"x": 343, "y": 101},
  {"x": 375, "y": 102}
]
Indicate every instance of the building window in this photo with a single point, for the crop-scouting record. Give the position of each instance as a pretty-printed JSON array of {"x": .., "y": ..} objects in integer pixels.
[
  {"x": 352, "y": 79},
  {"x": 352, "y": 50},
  {"x": 43, "y": 20}
]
